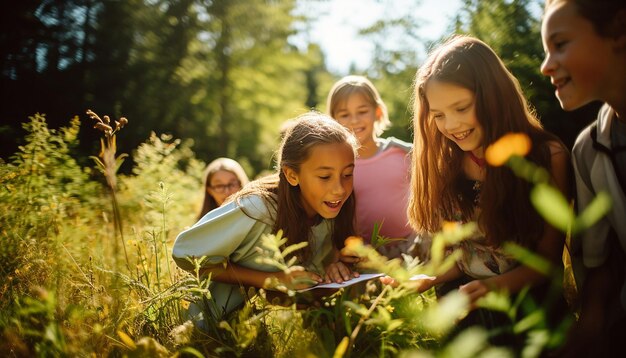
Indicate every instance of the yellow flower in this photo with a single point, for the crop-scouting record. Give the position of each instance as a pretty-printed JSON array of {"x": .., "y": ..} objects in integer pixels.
[
  {"x": 507, "y": 146},
  {"x": 353, "y": 242},
  {"x": 449, "y": 226}
]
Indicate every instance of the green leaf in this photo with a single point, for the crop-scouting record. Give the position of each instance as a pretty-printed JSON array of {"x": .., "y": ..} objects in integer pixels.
[
  {"x": 552, "y": 206},
  {"x": 294, "y": 247},
  {"x": 528, "y": 258},
  {"x": 599, "y": 207}
]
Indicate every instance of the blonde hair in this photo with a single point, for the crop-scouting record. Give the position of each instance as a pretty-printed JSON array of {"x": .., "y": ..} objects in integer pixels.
[{"x": 349, "y": 85}]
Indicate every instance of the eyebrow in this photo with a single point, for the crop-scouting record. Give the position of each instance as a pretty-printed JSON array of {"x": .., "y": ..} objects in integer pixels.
[
  {"x": 553, "y": 35},
  {"x": 351, "y": 165},
  {"x": 345, "y": 109},
  {"x": 452, "y": 104}
]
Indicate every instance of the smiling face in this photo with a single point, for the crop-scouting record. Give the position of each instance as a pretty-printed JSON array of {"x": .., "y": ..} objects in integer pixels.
[
  {"x": 580, "y": 62},
  {"x": 453, "y": 110},
  {"x": 358, "y": 115},
  {"x": 325, "y": 179}
]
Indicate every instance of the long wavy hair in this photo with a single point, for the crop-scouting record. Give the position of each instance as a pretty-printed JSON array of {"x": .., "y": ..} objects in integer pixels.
[
  {"x": 305, "y": 132},
  {"x": 506, "y": 213}
]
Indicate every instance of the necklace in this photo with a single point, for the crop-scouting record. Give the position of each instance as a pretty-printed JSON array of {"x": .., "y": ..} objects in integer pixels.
[{"x": 481, "y": 162}]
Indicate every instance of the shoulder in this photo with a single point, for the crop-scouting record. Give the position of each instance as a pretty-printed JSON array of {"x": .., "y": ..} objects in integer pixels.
[
  {"x": 392, "y": 142},
  {"x": 598, "y": 130},
  {"x": 257, "y": 206},
  {"x": 560, "y": 164},
  {"x": 583, "y": 151},
  {"x": 559, "y": 154},
  {"x": 557, "y": 149}
]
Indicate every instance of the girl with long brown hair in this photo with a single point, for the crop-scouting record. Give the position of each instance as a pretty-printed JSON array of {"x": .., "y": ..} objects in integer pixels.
[
  {"x": 466, "y": 99},
  {"x": 309, "y": 198}
]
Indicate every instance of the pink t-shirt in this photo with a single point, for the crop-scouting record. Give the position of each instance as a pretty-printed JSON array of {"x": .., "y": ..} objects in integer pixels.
[{"x": 381, "y": 187}]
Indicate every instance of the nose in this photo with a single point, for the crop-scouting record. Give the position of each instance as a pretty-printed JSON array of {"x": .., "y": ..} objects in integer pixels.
[
  {"x": 339, "y": 188},
  {"x": 451, "y": 123},
  {"x": 353, "y": 118},
  {"x": 547, "y": 66}
]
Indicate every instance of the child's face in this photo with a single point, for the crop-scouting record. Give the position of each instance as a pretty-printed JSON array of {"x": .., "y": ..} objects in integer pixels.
[
  {"x": 222, "y": 185},
  {"x": 358, "y": 115},
  {"x": 578, "y": 60},
  {"x": 453, "y": 110},
  {"x": 325, "y": 179}
]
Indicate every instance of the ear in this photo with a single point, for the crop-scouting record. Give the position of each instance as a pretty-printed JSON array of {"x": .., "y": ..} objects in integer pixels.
[
  {"x": 379, "y": 112},
  {"x": 291, "y": 175}
]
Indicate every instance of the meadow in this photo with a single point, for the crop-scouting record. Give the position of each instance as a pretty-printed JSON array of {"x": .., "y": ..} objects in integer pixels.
[{"x": 86, "y": 269}]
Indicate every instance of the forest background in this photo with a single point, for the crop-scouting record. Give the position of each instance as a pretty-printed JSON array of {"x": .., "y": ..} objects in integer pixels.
[{"x": 224, "y": 75}]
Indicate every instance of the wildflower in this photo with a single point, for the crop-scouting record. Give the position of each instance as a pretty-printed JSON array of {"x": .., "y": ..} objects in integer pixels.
[
  {"x": 509, "y": 145},
  {"x": 449, "y": 226},
  {"x": 182, "y": 334},
  {"x": 103, "y": 127},
  {"x": 125, "y": 338},
  {"x": 352, "y": 242}
]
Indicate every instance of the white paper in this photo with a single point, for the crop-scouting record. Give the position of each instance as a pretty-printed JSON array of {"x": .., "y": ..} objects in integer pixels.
[
  {"x": 361, "y": 278},
  {"x": 421, "y": 277}
]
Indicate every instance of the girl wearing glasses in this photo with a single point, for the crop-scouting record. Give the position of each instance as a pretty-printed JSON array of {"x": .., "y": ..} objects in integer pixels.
[
  {"x": 223, "y": 177},
  {"x": 309, "y": 198}
]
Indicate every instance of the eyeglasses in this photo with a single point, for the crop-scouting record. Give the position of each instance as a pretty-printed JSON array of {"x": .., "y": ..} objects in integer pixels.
[{"x": 222, "y": 188}]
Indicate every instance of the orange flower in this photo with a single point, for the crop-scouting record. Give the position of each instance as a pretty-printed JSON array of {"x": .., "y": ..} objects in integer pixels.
[
  {"x": 449, "y": 226},
  {"x": 507, "y": 146},
  {"x": 353, "y": 242}
]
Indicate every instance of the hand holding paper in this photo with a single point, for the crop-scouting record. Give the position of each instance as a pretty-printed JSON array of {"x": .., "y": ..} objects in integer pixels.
[{"x": 361, "y": 278}]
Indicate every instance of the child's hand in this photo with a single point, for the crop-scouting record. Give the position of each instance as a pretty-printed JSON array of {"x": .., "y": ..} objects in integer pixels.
[
  {"x": 347, "y": 254},
  {"x": 346, "y": 258},
  {"x": 474, "y": 290},
  {"x": 388, "y": 280},
  {"x": 298, "y": 279},
  {"x": 339, "y": 272},
  {"x": 420, "y": 284}
]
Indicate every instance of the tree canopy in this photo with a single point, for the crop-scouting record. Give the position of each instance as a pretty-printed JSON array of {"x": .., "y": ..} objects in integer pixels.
[{"x": 225, "y": 73}]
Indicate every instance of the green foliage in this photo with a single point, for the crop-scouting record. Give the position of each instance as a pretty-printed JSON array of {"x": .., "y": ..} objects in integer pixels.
[
  {"x": 68, "y": 296},
  {"x": 42, "y": 192}
]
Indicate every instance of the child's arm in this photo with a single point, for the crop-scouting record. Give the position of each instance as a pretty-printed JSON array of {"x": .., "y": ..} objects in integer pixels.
[
  {"x": 550, "y": 245},
  {"x": 424, "y": 284},
  {"x": 239, "y": 275}
]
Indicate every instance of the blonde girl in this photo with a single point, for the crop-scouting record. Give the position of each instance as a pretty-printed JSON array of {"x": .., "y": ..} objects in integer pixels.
[{"x": 381, "y": 173}]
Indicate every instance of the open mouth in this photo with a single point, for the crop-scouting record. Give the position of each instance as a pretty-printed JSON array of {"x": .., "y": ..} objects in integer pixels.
[
  {"x": 333, "y": 204},
  {"x": 358, "y": 130},
  {"x": 561, "y": 82},
  {"x": 462, "y": 135}
]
